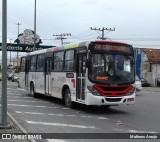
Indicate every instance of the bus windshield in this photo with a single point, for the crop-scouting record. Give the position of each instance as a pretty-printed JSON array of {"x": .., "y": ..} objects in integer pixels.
[{"x": 111, "y": 69}]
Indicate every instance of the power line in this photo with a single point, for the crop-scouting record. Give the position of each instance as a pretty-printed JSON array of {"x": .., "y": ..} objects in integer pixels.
[
  {"x": 102, "y": 30},
  {"x": 86, "y": 31},
  {"x": 61, "y": 37}
]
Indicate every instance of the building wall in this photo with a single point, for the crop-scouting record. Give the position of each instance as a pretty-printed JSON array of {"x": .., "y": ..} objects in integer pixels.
[
  {"x": 137, "y": 54},
  {"x": 151, "y": 72},
  {"x": 145, "y": 69}
]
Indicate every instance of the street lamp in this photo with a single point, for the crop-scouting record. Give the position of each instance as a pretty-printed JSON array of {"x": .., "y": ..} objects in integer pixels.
[
  {"x": 18, "y": 24},
  {"x": 10, "y": 54},
  {"x": 34, "y": 26}
]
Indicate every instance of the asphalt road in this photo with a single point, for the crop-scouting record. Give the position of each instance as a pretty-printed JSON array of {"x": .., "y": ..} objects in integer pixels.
[{"x": 49, "y": 115}]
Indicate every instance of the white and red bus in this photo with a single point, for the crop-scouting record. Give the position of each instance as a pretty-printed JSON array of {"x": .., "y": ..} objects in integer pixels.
[{"x": 93, "y": 73}]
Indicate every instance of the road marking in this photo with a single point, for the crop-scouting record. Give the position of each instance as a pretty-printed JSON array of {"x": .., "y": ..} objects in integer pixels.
[
  {"x": 30, "y": 112},
  {"x": 11, "y": 93},
  {"x": 31, "y": 106},
  {"x": 62, "y": 125},
  {"x": 56, "y": 140},
  {"x": 135, "y": 131},
  {"x": 65, "y": 108},
  {"x": 39, "y": 113},
  {"x": 17, "y": 89},
  {"x": 52, "y": 114},
  {"x": 102, "y": 118},
  {"x": 85, "y": 116},
  {"x": 28, "y": 101},
  {"x": 72, "y": 115},
  {"x": 22, "y": 89},
  {"x": 19, "y": 97}
]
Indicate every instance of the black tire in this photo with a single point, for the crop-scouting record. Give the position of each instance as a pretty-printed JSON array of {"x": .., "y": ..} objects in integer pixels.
[
  {"x": 32, "y": 91},
  {"x": 105, "y": 106},
  {"x": 67, "y": 98}
]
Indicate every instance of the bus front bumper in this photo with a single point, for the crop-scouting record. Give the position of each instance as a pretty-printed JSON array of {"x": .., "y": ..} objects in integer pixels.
[{"x": 103, "y": 100}]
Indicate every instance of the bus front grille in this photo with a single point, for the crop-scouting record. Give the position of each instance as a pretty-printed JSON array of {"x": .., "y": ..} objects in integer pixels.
[
  {"x": 113, "y": 99},
  {"x": 112, "y": 91}
]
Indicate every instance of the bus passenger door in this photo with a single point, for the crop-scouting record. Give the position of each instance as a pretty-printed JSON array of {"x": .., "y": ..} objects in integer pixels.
[
  {"x": 81, "y": 72},
  {"x": 27, "y": 74},
  {"x": 48, "y": 76}
]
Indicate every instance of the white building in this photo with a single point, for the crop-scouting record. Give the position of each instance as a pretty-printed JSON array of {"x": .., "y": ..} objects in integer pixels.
[{"x": 150, "y": 65}]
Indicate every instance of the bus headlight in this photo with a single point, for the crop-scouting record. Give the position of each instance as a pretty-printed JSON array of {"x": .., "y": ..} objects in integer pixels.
[
  {"x": 130, "y": 92},
  {"x": 93, "y": 91}
]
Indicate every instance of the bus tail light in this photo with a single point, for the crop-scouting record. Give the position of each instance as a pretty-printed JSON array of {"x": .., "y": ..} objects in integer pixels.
[
  {"x": 130, "y": 92},
  {"x": 93, "y": 91}
]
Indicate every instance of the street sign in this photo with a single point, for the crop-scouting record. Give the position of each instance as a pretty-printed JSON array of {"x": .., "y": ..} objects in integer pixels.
[{"x": 23, "y": 47}]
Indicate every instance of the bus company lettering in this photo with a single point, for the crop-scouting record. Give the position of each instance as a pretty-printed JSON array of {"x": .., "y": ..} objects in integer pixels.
[
  {"x": 60, "y": 79},
  {"x": 109, "y": 47}
]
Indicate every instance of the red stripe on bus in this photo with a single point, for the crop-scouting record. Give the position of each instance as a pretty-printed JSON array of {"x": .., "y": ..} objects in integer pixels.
[{"x": 73, "y": 81}]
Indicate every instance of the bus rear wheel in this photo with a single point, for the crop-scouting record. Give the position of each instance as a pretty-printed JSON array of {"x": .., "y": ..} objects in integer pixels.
[
  {"x": 67, "y": 98},
  {"x": 32, "y": 90}
]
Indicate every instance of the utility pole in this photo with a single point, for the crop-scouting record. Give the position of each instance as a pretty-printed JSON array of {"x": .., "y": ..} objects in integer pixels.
[
  {"x": 62, "y": 37},
  {"x": 10, "y": 53},
  {"x": 35, "y": 5},
  {"x": 4, "y": 124},
  {"x": 102, "y": 30},
  {"x": 18, "y": 24}
]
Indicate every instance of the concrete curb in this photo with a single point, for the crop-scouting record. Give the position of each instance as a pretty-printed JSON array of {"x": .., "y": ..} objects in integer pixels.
[{"x": 19, "y": 126}]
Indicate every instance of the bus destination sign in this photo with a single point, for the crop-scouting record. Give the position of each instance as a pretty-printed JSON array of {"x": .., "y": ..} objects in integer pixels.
[{"x": 111, "y": 48}]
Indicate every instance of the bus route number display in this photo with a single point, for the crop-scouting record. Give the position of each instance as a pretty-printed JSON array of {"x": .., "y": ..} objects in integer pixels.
[{"x": 112, "y": 48}]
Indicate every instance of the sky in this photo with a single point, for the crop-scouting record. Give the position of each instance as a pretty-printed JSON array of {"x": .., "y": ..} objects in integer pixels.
[{"x": 136, "y": 22}]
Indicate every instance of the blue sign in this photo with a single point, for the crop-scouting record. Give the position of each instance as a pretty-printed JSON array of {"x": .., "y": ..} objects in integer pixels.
[{"x": 116, "y": 57}]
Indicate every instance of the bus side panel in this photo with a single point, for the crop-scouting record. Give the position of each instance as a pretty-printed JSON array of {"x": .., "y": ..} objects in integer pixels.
[
  {"x": 32, "y": 79},
  {"x": 58, "y": 80},
  {"x": 39, "y": 78}
]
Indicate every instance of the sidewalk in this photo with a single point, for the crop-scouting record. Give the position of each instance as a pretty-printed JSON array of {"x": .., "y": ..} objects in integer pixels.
[
  {"x": 151, "y": 89},
  {"x": 15, "y": 128}
]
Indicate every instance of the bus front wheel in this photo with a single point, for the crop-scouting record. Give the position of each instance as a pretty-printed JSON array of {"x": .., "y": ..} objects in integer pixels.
[{"x": 67, "y": 98}]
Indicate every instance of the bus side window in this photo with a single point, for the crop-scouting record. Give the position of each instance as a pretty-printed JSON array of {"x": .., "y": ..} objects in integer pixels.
[
  {"x": 58, "y": 61},
  {"x": 69, "y": 60},
  {"x": 33, "y": 63},
  {"x": 22, "y": 65},
  {"x": 40, "y": 62}
]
